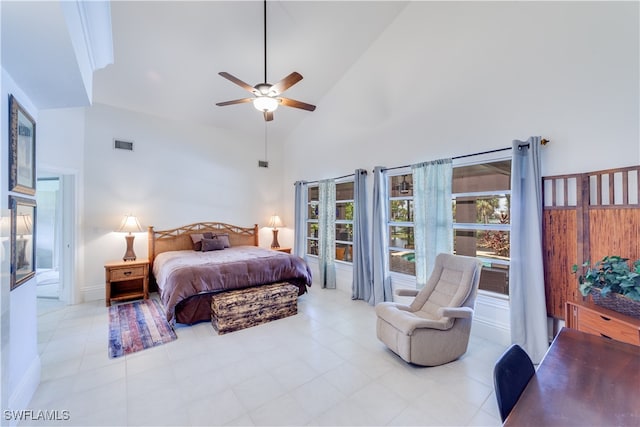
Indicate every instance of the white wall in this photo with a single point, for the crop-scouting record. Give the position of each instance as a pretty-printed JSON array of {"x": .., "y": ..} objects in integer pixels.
[
  {"x": 454, "y": 78},
  {"x": 448, "y": 79},
  {"x": 61, "y": 134},
  {"x": 21, "y": 372},
  {"x": 178, "y": 173}
]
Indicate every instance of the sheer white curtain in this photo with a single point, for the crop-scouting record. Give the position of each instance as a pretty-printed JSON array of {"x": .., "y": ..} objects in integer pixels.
[
  {"x": 362, "y": 284},
  {"x": 327, "y": 233},
  {"x": 300, "y": 220},
  {"x": 382, "y": 290},
  {"x": 433, "y": 216},
  {"x": 526, "y": 277}
]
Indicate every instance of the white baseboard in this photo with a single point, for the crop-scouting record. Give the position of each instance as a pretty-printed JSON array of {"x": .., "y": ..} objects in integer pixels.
[
  {"x": 491, "y": 319},
  {"x": 92, "y": 293},
  {"x": 26, "y": 388},
  {"x": 491, "y": 332}
]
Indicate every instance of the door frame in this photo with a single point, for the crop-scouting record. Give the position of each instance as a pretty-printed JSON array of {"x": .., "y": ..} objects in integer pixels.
[{"x": 68, "y": 180}]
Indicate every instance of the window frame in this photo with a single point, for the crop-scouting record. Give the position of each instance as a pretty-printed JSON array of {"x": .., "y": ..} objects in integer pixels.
[
  {"x": 389, "y": 174},
  {"x": 345, "y": 180},
  {"x": 308, "y": 220},
  {"x": 486, "y": 262},
  {"x": 483, "y": 159}
]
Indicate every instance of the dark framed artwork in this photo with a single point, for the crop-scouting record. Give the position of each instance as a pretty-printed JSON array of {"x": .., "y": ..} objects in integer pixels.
[
  {"x": 22, "y": 149},
  {"x": 23, "y": 238}
]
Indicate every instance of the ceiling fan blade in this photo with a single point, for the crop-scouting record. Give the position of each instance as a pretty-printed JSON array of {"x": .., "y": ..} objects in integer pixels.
[
  {"x": 235, "y": 101},
  {"x": 286, "y": 83},
  {"x": 268, "y": 116},
  {"x": 237, "y": 81},
  {"x": 296, "y": 104}
]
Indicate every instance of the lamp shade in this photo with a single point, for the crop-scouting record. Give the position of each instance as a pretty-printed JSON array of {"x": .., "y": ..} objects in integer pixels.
[
  {"x": 23, "y": 224},
  {"x": 265, "y": 104},
  {"x": 274, "y": 221},
  {"x": 130, "y": 224}
]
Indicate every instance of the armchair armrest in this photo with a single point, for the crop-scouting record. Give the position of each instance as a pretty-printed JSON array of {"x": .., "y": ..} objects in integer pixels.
[
  {"x": 458, "y": 312},
  {"x": 406, "y": 292}
]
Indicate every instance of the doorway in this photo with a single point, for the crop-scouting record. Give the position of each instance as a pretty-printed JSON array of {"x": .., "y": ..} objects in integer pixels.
[{"x": 49, "y": 238}]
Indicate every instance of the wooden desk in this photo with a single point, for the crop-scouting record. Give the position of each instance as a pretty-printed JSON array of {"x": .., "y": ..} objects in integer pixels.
[{"x": 583, "y": 380}]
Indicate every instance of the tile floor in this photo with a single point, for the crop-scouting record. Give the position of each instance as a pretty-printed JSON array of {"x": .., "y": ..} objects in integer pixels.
[{"x": 323, "y": 366}]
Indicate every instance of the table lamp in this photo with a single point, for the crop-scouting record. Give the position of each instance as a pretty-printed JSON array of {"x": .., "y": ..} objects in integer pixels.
[
  {"x": 274, "y": 223},
  {"x": 130, "y": 225}
]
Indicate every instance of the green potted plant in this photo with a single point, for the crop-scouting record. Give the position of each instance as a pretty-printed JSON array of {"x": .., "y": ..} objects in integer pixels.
[{"x": 612, "y": 283}]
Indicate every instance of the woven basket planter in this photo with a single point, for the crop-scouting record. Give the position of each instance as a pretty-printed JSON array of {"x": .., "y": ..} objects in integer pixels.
[{"x": 616, "y": 302}]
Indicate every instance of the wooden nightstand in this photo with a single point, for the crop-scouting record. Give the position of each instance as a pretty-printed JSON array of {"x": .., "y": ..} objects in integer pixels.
[
  {"x": 286, "y": 250},
  {"x": 126, "y": 280}
]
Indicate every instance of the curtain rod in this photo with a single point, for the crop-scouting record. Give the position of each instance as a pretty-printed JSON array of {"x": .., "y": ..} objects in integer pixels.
[
  {"x": 336, "y": 178},
  {"x": 542, "y": 142}
]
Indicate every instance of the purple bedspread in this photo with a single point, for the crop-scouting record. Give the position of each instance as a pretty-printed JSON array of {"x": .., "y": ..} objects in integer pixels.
[{"x": 182, "y": 274}]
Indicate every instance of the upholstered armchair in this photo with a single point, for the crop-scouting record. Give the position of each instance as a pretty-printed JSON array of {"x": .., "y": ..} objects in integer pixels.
[{"x": 434, "y": 329}]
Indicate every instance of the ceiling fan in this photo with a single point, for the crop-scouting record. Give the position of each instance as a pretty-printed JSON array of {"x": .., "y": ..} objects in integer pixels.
[{"x": 266, "y": 97}]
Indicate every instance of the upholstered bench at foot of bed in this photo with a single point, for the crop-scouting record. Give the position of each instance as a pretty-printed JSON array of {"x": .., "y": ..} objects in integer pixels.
[{"x": 243, "y": 308}]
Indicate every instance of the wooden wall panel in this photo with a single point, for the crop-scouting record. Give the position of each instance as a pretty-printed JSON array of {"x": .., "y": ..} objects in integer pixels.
[
  {"x": 560, "y": 253},
  {"x": 614, "y": 232},
  {"x": 602, "y": 217}
]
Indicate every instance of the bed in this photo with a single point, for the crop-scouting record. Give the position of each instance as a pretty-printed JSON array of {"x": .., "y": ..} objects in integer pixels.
[{"x": 186, "y": 278}]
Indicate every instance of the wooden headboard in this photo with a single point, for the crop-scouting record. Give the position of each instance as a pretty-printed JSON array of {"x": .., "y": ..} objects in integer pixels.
[{"x": 179, "y": 238}]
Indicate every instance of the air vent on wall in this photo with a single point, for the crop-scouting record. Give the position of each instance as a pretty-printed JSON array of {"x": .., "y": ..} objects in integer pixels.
[{"x": 119, "y": 144}]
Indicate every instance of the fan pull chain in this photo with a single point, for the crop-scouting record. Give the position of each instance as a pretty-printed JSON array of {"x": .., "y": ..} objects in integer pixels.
[{"x": 266, "y": 157}]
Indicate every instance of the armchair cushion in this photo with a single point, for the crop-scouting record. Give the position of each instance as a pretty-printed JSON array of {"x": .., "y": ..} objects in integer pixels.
[
  {"x": 407, "y": 292},
  {"x": 406, "y": 321}
]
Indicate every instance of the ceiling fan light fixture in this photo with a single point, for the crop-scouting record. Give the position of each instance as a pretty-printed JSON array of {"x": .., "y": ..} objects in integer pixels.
[
  {"x": 267, "y": 97},
  {"x": 265, "y": 104}
]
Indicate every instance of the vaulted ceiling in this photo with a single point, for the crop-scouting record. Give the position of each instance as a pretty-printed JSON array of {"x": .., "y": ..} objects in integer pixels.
[{"x": 167, "y": 56}]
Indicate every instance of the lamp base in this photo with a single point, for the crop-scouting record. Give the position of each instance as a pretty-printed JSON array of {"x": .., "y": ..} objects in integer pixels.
[
  {"x": 129, "y": 255},
  {"x": 274, "y": 242}
]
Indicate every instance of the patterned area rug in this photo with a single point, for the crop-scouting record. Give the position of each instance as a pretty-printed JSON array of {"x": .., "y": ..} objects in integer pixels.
[{"x": 136, "y": 326}]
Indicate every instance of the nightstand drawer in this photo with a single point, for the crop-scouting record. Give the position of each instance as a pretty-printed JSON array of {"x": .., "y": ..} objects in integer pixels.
[
  {"x": 126, "y": 273},
  {"x": 598, "y": 324}
]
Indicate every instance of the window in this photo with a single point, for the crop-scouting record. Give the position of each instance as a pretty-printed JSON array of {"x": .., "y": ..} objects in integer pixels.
[
  {"x": 400, "y": 214},
  {"x": 481, "y": 219},
  {"x": 344, "y": 220},
  {"x": 313, "y": 199},
  {"x": 481, "y": 196}
]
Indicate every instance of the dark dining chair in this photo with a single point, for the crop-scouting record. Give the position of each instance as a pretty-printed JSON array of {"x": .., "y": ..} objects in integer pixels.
[{"x": 511, "y": 375}]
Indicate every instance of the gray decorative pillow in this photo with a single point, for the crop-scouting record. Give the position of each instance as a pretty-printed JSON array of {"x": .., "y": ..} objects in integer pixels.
[
  {"x": 225, "y": 239},
  {"x": 212, "y": 244},
  {"x": 197, "y": 239}
]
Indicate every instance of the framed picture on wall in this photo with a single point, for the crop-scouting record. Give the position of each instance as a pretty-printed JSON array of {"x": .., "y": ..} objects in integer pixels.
[
  {"x": 23, "y": 239},
  {"x": 22, "y": 149}
]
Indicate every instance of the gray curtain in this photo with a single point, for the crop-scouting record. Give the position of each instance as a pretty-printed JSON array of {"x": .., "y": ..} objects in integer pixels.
[
  {"x": 382, "y": 290},
  {"x": 300, "y": 220},
  {"x": 526, "y": 277},
  {"x": 362, "y": 285},
  {"x": 327, "y": 233},
  {"x": 433, "y": 216}
]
